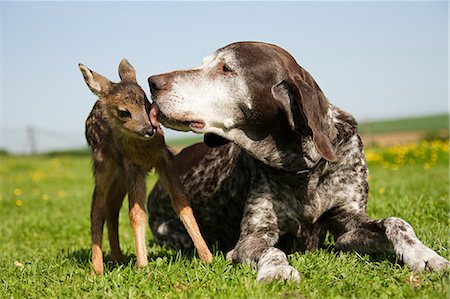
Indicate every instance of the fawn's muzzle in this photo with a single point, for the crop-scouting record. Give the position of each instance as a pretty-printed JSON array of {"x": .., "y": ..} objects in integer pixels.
[{"x": 149, "y": 132}]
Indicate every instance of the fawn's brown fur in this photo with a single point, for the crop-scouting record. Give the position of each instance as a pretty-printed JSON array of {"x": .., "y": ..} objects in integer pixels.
[{"x": 125, "y": 147}]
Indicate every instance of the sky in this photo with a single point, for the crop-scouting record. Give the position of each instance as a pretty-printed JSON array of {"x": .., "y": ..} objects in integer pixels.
[{"x": 376, "y": 60}]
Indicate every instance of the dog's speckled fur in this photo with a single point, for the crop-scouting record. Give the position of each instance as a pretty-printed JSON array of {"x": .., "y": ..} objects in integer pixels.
[{"x": 237, "y": 190}]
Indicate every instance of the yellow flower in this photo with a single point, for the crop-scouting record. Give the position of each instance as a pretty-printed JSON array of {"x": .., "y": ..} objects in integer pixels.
[
  {"x": 372, "y": 156},
  {"x": 433, "y": 157},
  {"x": 394, "y": 168},
  {"x": 45, "y": 196},
  {"x": 61, "y": 194},
  {"x": 426, "y": 166},
  {"x": 17, "y": 192},
  {"x": 381, "y": 190},
  {"x": 399, "y": 160},
  {"x": 19, "y": 203},
  {"x": 37, "y": 175}
]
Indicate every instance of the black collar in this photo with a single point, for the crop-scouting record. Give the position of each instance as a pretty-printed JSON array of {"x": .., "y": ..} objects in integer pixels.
[{"x": 293, "y": 178}]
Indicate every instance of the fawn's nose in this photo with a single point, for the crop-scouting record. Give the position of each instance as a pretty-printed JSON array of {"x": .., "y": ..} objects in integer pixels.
[
  {"x": 149, "y": 132},
  {"x": 159, "y": 82}
]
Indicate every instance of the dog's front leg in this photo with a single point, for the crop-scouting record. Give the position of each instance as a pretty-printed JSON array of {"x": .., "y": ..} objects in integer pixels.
[
  {"x": 259, "y": 234},
  {"x": 391, "y": 235}
]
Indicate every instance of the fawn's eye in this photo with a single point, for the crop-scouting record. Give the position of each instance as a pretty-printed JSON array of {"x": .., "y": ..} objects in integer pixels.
[
  {"x": 226, "y": 69},
  {"x": 124, "y": 113}
]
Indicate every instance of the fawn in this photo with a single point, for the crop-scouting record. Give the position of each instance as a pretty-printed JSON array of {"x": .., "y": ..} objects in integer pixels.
[{"x": 125, "y": 146}]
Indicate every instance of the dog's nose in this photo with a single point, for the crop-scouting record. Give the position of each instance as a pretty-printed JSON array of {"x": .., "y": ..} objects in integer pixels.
[
  {"x": 158, "y": 82},
  {"x": 153, "y": 84}
]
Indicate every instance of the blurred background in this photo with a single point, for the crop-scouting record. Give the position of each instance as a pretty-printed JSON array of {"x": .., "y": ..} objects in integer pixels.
[{"x": 384, "y": 62}]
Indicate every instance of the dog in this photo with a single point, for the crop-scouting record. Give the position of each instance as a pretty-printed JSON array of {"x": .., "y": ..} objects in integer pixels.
[
  {"x": 125, "y": 147},
  {"x": 294, "y": 170}
]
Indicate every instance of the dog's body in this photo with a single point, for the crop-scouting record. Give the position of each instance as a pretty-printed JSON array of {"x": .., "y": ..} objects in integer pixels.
[
  {"x": 295, "y": 171},
  {"x": 125, "y": 147}
]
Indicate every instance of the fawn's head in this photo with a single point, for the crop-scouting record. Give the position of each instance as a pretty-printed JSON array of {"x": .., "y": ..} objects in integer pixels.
[{"x": 124, "y": 105}]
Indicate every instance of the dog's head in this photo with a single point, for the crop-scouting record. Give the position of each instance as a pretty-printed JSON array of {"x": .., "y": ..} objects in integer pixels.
[{"x": 246, "y": 91}]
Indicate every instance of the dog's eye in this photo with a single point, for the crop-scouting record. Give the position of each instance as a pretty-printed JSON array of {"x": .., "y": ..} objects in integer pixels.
[
  {"x": 124, "y": 113},
  {"x": 226, "y": 69}
]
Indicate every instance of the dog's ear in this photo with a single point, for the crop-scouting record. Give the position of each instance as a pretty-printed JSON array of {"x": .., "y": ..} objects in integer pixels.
[
  {"x": 306, "y": 107},
  {"x": 98, "y": 84},
  {"x": 213, "y": 140},
  {"x": 126, "y": 71}
]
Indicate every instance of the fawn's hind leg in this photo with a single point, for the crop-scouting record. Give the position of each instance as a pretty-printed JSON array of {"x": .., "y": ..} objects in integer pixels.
[
  {"x": 116, "y": 193},
  {"x": 137, "y": 213},
  {"x": 97, "y": 221},
  {"x": 103, "y": 173}
]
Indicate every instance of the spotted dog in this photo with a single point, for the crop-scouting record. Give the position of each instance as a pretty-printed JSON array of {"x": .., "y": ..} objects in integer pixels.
[{"x": 294, "y": 168}]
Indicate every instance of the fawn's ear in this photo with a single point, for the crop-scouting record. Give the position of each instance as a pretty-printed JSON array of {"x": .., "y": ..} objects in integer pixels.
[
  {"x": 98, "y": 84},
  {"x": 126, "y": 71}
]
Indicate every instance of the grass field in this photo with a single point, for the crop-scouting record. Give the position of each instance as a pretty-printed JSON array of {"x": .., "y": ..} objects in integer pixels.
[
  {"x": 431, "y": 124},
  {"x": 405, "y": 130},
  {"x": 45, "y": 238}
]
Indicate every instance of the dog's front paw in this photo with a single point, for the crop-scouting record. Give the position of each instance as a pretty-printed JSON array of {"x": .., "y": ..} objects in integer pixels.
[
  {"x": 425, "y": 259},
  {"x": 437, "y": 263},
  {"x": 285, "y": 272},
  {"x": 231, "y": 256}
]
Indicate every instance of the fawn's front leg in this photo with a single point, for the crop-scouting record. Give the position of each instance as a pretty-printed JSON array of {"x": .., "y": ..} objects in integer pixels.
[
  {"x": 137, "y": 213},
  {"x": 182, "y": 208}
]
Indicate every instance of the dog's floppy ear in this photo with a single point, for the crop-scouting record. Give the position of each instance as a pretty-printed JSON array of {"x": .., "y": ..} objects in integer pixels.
[
  {"x": 306, "y": 106},
  {"x": 98, "y": 84},
  {"x": 126, "y": 71}
]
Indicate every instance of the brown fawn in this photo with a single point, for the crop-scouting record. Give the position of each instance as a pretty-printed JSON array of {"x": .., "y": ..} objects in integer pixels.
[{"x": 125, "y": 146}]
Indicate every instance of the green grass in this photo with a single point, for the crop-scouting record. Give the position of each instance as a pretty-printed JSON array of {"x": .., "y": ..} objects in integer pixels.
[
  {"x": 430, "y": 124},
  {"x": 45, "y": 240},
  {"x": 182, "y": 142}
]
